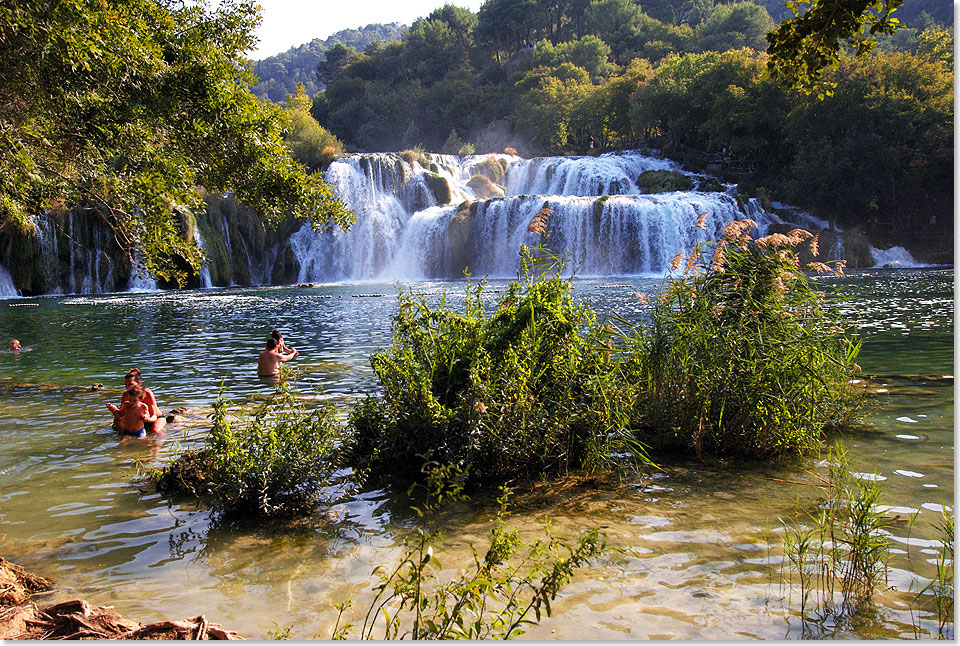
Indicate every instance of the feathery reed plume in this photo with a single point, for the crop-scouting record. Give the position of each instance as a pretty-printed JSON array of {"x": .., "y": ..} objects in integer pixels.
[
  {"x": 819, "y": 267},
  {"x": 538, "y": 223},
  {"x": 677, "y": 261},
  {"x": 691, "y": 261},
  {"x": 643, "y": 298},
  {"x": 702, "y": 220},
  {"x": 787, "y": 255},
  {"x": 815, "y": 245},
  {"x": 773, "y": 240},
  {"x": 797, "y": 236},
  {"x": 838, "y": 268},
  {"x": 718, "y": 253},
  {"x": 736, "y": 228}
]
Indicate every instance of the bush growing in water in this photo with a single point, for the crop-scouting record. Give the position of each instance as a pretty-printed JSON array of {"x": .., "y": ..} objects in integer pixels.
[
  {"x": 527, "y": 390},
  {"x": 279, "y": 465},
  {"x": 741, "y": 357}
]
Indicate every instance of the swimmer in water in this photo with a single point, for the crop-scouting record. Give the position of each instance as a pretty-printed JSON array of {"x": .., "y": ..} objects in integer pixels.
[
  {"x": 15, "y": 345},
  {"x": 134, "y": 414},
  {"x": 133, "y": 378},
  {"x": 268, "y": 364}
]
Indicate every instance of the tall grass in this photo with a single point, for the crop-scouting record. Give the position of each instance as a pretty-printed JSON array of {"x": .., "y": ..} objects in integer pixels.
[
  {"x": 741, "y": 357},
  {"x": 529, "y": 389},
  {"x": 840, "y": 551}
]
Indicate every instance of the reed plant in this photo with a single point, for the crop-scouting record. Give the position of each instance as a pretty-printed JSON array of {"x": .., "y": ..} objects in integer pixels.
[
  {"x": 840, "y": 551},
  {"x": 940, "y": 589},
  {"x": 279, "y": 463},
  {"x": 494, "y": 597},
  {"x": 741, "y": 357},
  {"x": 528, "y": 389}
]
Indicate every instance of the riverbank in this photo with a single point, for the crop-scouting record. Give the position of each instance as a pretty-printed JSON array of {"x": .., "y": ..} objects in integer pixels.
[{"x": 22, "y": 619}]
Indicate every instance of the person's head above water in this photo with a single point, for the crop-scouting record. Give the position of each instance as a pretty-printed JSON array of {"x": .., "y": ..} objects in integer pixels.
[
  {"x": 132, "y": 378},
  {"x": 276, "y": 334},
  {"x": 135, "y": 393},
  {"x": 272, "y": 343},
  {"x": 14, "y": 344}
]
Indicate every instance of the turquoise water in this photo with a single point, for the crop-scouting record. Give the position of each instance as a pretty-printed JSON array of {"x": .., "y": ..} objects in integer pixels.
[{"x": 697, "y": 566}]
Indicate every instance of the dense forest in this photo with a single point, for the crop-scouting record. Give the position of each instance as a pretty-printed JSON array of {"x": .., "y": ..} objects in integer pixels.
[
  {"x": 687, "y": 77},
  {"x": 279, "y": 75}
]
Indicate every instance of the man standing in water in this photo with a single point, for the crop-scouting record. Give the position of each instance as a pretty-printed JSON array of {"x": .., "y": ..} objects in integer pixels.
[
  {"x": 130, "y": 380},
  {"x": 270, "y": 359}
]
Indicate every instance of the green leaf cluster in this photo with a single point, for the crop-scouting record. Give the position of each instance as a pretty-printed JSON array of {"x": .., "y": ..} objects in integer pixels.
[
  {"x": 527, "y": 389},
  {"x": 280, "y": 463},
  {"x": 124, "y": 108}
]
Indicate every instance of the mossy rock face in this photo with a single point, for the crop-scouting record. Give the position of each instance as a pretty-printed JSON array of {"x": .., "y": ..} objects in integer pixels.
[
  {"x": 663, "y": 181},
  {"x": 709, "y": 184},
  {"x": 483, "y": 188},
  {"x": 439, "y": 187},
  {"x": 460, "y": 237},
  {"x": 598, "y": 210},
  {"x": 493, "y": 168}
]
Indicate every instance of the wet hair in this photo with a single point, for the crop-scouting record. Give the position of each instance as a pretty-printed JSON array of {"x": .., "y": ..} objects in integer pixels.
[
  {"x": 276, "y": 334},
  {"x": 134, "y": 374},
  {"x": 271, "y": 343},
  {"x": 136, "y": 391}
]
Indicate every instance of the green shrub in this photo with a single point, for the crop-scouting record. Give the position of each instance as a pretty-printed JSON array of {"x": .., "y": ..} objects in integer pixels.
[
  {"x": 741, "y": 357},
  {"x": 529, "y": 389},
  {"x": 278, "y": 465},
  {"x": 663, "y": 181}
]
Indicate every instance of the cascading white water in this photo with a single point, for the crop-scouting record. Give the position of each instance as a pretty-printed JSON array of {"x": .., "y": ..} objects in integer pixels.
[
  {"x": 7, "y": 288},
  {"x": 205, "y": 280},
  {"x": 600, "y": 220},
  {"x": 894, "y": 257}
]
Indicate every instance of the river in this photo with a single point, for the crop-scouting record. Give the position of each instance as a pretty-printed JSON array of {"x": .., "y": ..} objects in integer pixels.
[{"x": 694, "y": 553}]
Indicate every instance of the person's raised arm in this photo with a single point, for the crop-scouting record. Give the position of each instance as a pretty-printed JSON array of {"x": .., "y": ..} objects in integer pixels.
[{"x": 287, "y": 357}]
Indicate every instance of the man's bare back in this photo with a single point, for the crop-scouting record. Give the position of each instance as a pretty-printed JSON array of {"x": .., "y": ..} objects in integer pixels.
[{"x": 270, "y": 359}]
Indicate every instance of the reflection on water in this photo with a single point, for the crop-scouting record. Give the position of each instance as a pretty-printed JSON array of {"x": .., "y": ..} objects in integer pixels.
[{"x": 693, "y": 557}]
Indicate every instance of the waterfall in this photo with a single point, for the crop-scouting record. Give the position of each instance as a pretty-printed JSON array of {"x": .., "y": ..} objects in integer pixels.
[
  {"x": 409, "y": 226},
  {"x": 894, "y": 257},
  {"x": 205, "y": 280},
  {"x": 46, "y": 237},
  {"x": 7, "y": 289}
]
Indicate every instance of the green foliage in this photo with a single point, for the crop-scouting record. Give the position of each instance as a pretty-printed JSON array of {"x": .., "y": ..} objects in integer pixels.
[
  {"x": 804, "y": 47},
  {"x": 741, "y": 358},
  {"x": 732, "y": 26},
  {"x": 841, "y": 556},
  {"x": 452, "y": 144},
  {"x": 663, "y": 181},
  {"x": 528, "y": 389},
  {"x": 314, "y": 64},
  {"x": 492, "y": 599},
  {"x": 126, "y": 107},
  {"x": 309, "y": 142},
  {"x": 278, "y": 465}
]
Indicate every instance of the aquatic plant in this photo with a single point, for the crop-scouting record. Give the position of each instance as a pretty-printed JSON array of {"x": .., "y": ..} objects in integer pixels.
[
  {"x": 841, "y": 550},
  {"x": 492, "y": 599},
  {"x": 280, "y": 463},
  {"x": 741, "y": 357},
  {"x": 940, "y": 588},
  {"x": 528, "y": 389}
]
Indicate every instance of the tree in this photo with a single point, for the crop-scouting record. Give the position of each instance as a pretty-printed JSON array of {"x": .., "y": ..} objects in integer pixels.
[
  {"x": 334, "y": 60},
  {"x": 804, "y": 47},
  {"x": 309, "y": 142},
  {"x": 732, "y": 26},
  {"x": 124, "y": 107}
]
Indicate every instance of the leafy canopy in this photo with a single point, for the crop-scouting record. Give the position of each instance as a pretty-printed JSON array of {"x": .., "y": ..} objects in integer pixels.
[
  {"x": 804, "y": 47},
  {"x": 125, "y": 107}
]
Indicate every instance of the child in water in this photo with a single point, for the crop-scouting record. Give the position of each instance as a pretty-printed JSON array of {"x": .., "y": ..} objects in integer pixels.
[{"x": 133, "y": 413}]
